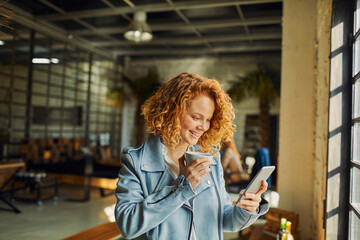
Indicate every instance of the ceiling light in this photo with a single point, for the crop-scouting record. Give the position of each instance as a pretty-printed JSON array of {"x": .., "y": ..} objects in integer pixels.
[
  {"x": 54, "y": 60},
  {"x": 139, "y": 30},
  {"x": 45, "y": 60},
  {"x": 2, "y": 43}
]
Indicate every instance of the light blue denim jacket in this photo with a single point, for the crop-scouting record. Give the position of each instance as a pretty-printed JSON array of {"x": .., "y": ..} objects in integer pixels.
[{"x": 152, "y": 205}]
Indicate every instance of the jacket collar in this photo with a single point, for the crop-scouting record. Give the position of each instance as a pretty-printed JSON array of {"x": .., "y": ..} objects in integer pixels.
[
  {"x": 152, "y": 159},
  {"x": 152, "y": 156}
]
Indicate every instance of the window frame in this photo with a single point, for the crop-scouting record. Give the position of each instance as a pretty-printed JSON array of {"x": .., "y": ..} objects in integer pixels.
[
  {"x": 354, "y": 163},
  {"x": 340, "y": 14}
]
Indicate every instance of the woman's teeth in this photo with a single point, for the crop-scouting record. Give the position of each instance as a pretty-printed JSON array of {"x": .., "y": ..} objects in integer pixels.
[{"x": 195, "y": 134}]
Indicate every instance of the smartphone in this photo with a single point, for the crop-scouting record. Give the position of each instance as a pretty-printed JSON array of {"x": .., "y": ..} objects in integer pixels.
[{"x": 263, "y": 174}]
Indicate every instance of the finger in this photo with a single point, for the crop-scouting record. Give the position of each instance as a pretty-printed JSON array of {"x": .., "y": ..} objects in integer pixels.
[
  {"x": 250, "y": 209},
  {"x": 252, "y": 196},
  {"x": 199, "y": 174},
  {"x": 245, "y": 206},
  {"x": 204, "y": 165},
  {"x": 263, "y": 187},
  {"x": 197, "y": 178},
  {"x": 200, "y": 161},
  {"x": 204, "y": 171},
  {"x": 249, "y": 203}
]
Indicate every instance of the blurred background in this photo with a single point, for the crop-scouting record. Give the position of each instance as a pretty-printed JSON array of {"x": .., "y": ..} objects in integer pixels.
[{"x": 74, "y": 74}]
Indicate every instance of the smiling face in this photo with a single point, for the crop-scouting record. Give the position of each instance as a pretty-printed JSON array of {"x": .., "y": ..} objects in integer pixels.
[{"x": 196, "y": 120}]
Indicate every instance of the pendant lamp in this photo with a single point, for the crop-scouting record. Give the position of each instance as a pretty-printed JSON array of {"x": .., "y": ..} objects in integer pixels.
[{"x": 139, "y": 30}]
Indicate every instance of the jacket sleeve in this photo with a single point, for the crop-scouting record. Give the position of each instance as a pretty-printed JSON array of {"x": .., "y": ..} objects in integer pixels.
[
  {"x": 136, "y": 214},
  {"x": 234, "y": 217}
]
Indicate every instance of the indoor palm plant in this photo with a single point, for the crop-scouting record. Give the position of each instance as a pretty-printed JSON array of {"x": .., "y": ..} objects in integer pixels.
[
  {"x": 115, "y": 96},
  {"x": 263, "y": 82},
  {"x": 142, "y": 88}
]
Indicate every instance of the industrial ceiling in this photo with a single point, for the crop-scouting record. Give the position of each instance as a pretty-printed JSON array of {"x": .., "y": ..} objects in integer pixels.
[{"x": 180, "y": 28}]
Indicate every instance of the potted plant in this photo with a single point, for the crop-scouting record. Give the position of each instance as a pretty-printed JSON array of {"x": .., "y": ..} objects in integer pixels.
[
  {"x": 142, "y": 88},
  {"x": 115, "y": 96},
  {"x": 263, "y": 82}
]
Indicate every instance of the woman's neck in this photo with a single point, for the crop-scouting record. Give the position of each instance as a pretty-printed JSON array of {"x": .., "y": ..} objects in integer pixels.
[{"x": 176, "y": 153}]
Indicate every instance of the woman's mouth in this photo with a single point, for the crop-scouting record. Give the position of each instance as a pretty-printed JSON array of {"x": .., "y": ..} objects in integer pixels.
[{"x": 195, "y": 134}]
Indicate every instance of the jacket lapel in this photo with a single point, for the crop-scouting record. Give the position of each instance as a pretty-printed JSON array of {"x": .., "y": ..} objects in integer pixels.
[{"x": 158, "y": 175}]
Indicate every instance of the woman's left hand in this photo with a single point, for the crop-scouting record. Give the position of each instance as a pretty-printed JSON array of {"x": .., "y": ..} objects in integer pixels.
[{"x": 251, "y": 201}]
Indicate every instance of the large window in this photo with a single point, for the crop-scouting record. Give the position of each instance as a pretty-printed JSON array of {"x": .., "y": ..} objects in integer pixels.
[
  {"x": 354, "y": 218},
  {"x": 342, "y": 216}
]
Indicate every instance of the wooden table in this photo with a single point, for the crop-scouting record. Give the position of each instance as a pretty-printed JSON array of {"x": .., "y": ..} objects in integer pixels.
[
  {"x": 10, "y": 165},
  {"x": 103, "y": 231}
]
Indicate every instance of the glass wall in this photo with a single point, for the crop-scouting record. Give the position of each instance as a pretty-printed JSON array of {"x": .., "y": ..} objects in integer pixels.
[
  {"x": 50, "y": 89},
  {"x": 14, "y": 69}
]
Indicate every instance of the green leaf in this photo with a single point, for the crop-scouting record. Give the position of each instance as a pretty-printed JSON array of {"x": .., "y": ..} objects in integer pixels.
[{"x": 258, "y": 81}]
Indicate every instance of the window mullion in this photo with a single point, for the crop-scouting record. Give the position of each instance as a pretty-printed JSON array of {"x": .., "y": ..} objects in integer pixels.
[{"x": 356, "y": 209}]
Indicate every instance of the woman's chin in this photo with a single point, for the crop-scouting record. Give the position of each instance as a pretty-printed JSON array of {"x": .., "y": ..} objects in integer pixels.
[{"x": 193, "y": 141}]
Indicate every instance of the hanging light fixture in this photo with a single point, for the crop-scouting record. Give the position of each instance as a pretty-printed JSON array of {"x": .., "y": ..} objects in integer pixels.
[{"x": 139, "y": 30}]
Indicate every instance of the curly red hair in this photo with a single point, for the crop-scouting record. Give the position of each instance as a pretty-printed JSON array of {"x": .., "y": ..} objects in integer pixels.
[{"x": 165, "y": 109}]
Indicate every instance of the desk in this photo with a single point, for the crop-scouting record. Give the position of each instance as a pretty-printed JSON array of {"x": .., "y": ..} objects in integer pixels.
[{"x": 10, "y": 165}]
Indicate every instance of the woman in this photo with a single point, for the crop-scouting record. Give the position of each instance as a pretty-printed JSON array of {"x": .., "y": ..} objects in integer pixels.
[
  {"x": 158, "y": 196},
  {"x": 231, "y": 163}
]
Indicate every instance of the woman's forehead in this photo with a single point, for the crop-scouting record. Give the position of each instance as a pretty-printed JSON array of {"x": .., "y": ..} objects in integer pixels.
[{"x": 203, "y": 105}]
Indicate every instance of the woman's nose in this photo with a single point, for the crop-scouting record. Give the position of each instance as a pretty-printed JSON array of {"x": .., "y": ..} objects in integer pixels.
[{"x": 203, "y": 126}]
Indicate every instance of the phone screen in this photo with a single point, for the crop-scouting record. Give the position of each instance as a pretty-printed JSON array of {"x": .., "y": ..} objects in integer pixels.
[{"x": 263, "y": 174}]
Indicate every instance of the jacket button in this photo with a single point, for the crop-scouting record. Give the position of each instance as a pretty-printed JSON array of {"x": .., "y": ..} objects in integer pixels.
[
  {"x": 144, "y": 165},
  {"x": 208, "y": 182}
]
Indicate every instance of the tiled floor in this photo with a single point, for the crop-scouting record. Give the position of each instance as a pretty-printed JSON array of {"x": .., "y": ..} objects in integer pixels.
[{"x": 57, "y": 220}]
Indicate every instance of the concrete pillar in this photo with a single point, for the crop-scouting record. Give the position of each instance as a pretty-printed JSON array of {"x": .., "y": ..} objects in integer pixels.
[{"x": 304, "y": 112}]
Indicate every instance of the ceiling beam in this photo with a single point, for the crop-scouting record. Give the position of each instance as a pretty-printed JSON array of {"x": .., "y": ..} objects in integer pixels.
[
  {"x": 197, "y": 51},
  {"x": 26, "y": 19},
  {"x": 158, "y": 7},
  {"x": 172, "y": 41},
  {"x": 187, "y": 21},
  {"x": 112, "y": 6},
  {"x": 193, "y": 41},
  {"x": 78, "y": 20},
  {"x": 181, "y": 26}
]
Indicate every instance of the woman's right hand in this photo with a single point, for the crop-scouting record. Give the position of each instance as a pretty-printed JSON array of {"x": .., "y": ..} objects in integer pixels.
[{"x": 196, "y": 170}]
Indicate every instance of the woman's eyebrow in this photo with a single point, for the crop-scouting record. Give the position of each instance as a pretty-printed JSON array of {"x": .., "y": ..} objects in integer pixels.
[
  {"x": 197, "y": 113},
  {"x": 201, "y": 115}
]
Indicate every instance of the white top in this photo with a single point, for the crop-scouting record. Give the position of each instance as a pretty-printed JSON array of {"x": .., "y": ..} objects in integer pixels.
[{"x": 174, "y": 170}]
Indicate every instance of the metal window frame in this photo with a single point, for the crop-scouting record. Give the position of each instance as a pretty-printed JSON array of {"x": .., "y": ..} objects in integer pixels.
[
  {"x": 353, "y": 164},
  {"x": 342, "y": 13}
]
